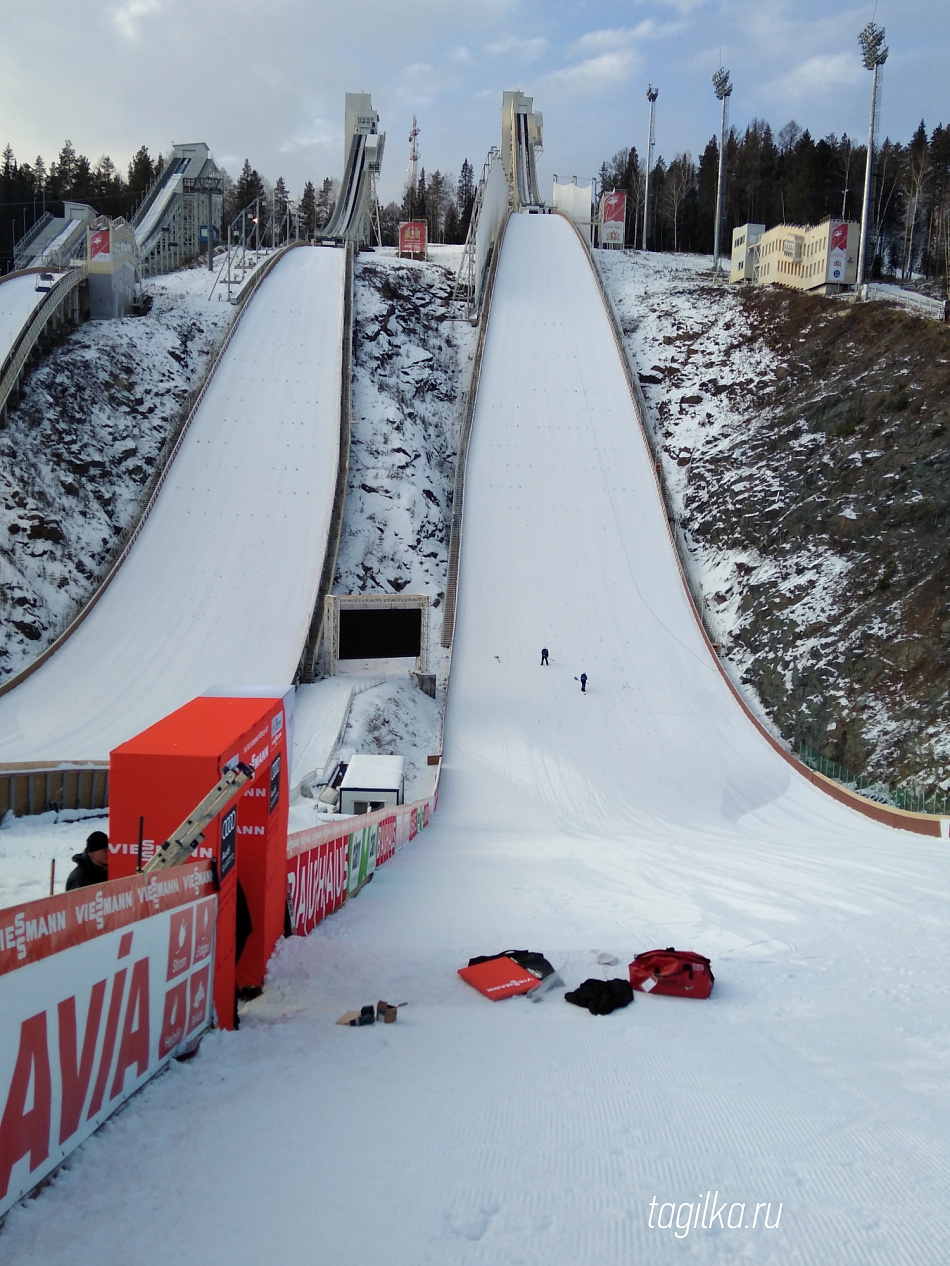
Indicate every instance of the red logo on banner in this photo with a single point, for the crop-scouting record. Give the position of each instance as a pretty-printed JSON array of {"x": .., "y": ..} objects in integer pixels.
[
  {"x": 173, "y": 1020},
  {"x": 204, "y": 929},
  {"x": 198, "y": 989},
  {"x": 180, "y": 938},
  {"x": 839, "y": 238}
]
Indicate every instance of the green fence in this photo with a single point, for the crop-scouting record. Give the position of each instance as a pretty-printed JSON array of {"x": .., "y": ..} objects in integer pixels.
[{"x": 896, "y": 797}]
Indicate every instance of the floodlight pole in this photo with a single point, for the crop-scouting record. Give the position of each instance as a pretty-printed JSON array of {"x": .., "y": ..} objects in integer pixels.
[
  {"x": 874, "y": 54},
  {"x": 723, "y": 91},
  {"x": 652, "y": 94}
]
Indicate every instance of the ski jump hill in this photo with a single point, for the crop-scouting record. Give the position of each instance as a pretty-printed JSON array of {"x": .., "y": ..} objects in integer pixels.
[
  {"x": 649, "y": 811},
  {"x": 221, "y": 581}
]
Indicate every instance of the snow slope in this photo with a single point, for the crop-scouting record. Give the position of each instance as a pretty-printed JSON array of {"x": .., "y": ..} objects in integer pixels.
[
  {"x": 210, "y": 591},
  {"x": 648, "y": 812},
  {"x": 19, "y": 299}
]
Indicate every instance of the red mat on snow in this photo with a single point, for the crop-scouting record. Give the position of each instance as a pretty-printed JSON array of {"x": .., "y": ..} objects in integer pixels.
[{"x": 499, "y": 978}]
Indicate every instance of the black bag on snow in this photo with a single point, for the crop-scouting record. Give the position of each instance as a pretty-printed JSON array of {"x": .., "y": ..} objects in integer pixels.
[{"x": 535, "y": 963}]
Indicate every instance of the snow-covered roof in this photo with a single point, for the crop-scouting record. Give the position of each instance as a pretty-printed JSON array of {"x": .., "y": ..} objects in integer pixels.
[{"x": 381, "y": 773}]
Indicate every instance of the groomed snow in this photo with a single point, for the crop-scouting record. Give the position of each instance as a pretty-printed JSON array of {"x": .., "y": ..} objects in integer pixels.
[
  {"x": 211, "y": 590},
  {"x": 646, "y": 813},
  {"x": 19, "y": 299}
]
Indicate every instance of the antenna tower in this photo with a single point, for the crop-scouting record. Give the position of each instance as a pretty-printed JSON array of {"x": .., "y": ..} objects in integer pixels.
[{"x": 413, "y": 178}]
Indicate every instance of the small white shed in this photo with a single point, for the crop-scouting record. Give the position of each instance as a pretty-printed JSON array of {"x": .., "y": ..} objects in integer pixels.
[{"x": 373, "y": 782}]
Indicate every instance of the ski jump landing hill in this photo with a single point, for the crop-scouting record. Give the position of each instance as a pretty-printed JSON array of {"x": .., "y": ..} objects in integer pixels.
[{"x": 221, "y": 581}]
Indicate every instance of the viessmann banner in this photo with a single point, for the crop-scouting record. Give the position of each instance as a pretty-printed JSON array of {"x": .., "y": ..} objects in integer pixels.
[{"x": 99, "y": 988}]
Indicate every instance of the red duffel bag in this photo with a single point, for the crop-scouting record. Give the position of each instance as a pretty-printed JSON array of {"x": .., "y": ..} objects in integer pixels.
[{"x": 674, "y": 973}]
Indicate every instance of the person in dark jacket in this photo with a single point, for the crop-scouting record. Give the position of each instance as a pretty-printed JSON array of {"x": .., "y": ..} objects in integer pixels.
[
  {"x": 92, "y": 864},
  {"x": 544, "y": 656},
  {"x": 583, "y": 683}
]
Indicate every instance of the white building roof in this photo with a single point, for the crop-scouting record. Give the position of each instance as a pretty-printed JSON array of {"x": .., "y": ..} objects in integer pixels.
[{"x": 379, "y": 773}]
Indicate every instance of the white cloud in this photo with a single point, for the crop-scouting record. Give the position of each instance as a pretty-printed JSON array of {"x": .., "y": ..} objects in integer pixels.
[
  {"x": 127, "y": 17},
  {"x": 460, "y": 55},
  {"x": 817, "y": 77},
  {"x": 528, "y": 50},
  {"x": 318, "y": 134},
  {"x": 593, "y": 74}
]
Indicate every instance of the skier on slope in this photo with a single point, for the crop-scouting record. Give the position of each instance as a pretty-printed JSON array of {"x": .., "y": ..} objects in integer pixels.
[
  {"x": 583, "y": 683},
  {"x": 544, "y": 657}
]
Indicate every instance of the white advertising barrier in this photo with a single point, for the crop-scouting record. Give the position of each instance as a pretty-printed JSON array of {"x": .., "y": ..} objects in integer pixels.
[
  {"x": 99, "y": 989},
  {"x": 575, "y": 202}
]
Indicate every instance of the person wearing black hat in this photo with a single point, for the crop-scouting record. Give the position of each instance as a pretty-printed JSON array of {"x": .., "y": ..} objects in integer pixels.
[{"x": 92, "y": 865}]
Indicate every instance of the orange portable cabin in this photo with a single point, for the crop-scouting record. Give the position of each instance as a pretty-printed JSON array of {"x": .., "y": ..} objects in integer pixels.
[{"x": 160, "y": 776}]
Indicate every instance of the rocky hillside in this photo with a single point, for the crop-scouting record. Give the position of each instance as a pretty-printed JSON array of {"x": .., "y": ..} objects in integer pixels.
[{"x": 807, "y": 449}]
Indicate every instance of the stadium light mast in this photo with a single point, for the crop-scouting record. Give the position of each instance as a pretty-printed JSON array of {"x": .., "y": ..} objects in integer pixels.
[
  {"x": 874, "y": 54},
  {"x": 723, "y": 89},
  {"x": 652, "y": 94}
]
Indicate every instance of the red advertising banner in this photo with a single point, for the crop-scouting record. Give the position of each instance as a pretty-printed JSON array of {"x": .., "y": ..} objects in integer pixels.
[
  {"x": 837, "y": 252},
  {"x": 613, "y": 211},
  {"x": 316, "y": 882},
  {"x": 412, "y": 237},
  {"x": 319, "y": 859},
  {"x": 37, "y": 929},
  {"x": 85, "y": 1025},
  {"x": 99, "y": 246}
]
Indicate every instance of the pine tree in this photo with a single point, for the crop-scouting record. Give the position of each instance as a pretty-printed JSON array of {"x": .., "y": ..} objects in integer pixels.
[
  {"x": 326, "y": 202},
  {"x": 465, "y": 199},
  {"x": 280, "y": 204},
  {"x": 308, "y": 210}
]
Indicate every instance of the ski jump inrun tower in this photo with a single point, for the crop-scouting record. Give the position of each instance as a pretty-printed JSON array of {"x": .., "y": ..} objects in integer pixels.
[{"x": 352, "y": 219}]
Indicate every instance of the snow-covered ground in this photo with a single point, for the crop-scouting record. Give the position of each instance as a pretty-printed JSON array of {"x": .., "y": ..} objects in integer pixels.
[
  {"x": 647, "y": 813},
  {"x": 19, "y": 299}
]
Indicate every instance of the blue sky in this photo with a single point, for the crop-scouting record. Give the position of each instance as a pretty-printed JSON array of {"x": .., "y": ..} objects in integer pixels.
[{"x": 266, "y": 80}]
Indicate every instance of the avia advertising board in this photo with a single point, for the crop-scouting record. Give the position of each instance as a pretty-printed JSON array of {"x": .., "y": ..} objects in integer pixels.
[
  {"x": 99, "y": 989},
  {"x": 412, "y": 238},
  {"x": 837, "y": 252},
  {"x": 613, "y": 212}
]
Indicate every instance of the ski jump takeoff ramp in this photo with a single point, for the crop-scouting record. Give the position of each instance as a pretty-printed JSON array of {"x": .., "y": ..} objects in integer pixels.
[{"x": 221, "y": 581}]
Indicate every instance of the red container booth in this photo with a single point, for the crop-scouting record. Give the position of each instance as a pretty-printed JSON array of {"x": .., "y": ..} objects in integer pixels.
[{"x": 159, "y": 777}]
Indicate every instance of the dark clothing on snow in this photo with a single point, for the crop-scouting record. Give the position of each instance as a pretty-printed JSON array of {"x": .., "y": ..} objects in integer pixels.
[
  {"x": 600, "y": 997},
  {"x": 544, "y": 655},
  {"x": 583, "y": 683},
  {"x": 86, "y": 873}
]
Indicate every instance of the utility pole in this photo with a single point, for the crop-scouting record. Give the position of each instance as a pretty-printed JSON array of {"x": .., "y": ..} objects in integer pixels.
[
  {"x": 723, "y": 91},
  {"x": 412, "y": 180},
  {"x": 652, "y": 94},
  {"x": 874, "y": 54}
]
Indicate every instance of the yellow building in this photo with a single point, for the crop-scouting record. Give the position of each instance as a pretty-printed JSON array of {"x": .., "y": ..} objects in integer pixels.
[{"x": 822, "y": 258}]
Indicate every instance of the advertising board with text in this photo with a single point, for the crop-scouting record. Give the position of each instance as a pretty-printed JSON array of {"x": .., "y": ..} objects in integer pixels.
[{"x": 99, "y": 989}]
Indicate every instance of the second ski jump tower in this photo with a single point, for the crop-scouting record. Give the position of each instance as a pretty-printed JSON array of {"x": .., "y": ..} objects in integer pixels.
[
  {"x": 521, "y": 135},
  {"x": 352, "y": 218}
]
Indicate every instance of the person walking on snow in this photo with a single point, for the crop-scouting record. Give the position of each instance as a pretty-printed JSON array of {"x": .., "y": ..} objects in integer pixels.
[
  {"x": 544, "y": 657},
  {"x": 583, "y": 683}
]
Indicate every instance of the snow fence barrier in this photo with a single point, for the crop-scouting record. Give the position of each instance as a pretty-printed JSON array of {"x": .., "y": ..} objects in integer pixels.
[{"x": 99, "y": 988}]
